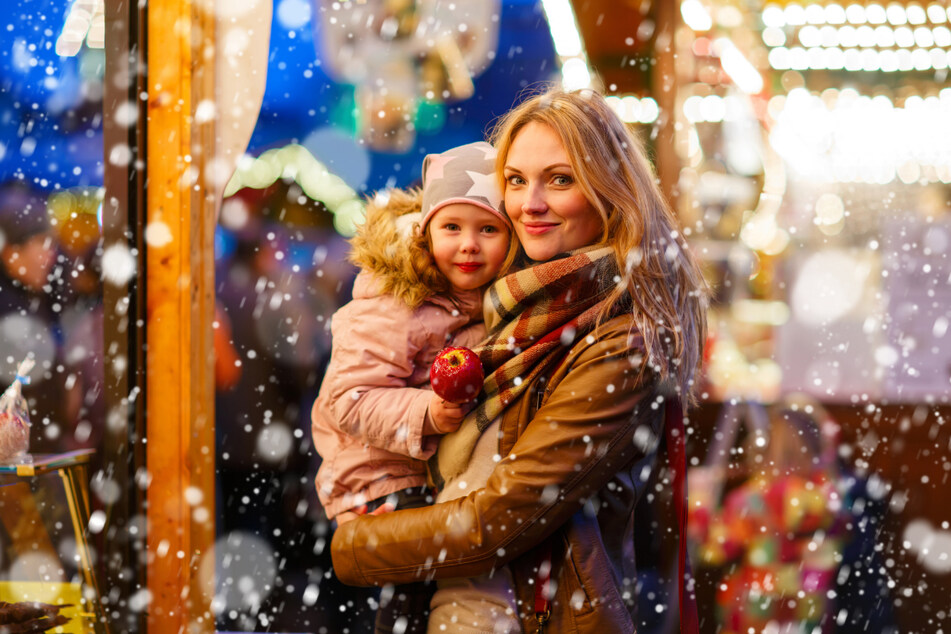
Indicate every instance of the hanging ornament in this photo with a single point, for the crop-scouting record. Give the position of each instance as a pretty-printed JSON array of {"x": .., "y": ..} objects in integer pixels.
[{"x": 398, "y": 53}]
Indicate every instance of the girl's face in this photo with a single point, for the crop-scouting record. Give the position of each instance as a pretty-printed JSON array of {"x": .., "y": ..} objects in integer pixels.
[
  {"x": 547, "y": 208},
  {"x": 469, "y": 245}
]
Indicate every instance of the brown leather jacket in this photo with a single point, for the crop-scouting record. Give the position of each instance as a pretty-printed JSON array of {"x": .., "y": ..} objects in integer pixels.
[{"x": 577, "y": 453}]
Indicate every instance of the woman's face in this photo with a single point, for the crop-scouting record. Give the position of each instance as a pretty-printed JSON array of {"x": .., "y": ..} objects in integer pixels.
[{"x": 547, "y": 208}]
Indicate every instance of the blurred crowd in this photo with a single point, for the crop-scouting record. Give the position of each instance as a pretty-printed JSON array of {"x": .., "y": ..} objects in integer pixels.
[{"x": 51, "y": 307}]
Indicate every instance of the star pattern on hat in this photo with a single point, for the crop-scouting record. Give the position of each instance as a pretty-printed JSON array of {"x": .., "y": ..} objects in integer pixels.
[
  {"x": 489, "y": 151},
  {"x": 437, "y": 165},
  {"x": 486, "y": 186}
]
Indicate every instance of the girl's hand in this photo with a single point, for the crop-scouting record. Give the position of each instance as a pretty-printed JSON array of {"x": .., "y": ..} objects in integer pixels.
[
  {"x": 349, "y": 516},
  {"x": 444, "y": 417}
]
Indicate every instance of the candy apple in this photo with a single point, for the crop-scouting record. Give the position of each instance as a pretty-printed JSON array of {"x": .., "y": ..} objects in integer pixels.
[{"x": 456, "y": 374}]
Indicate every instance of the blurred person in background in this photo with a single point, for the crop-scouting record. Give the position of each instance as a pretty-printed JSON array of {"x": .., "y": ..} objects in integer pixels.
[{"x": 33, "y": 293}]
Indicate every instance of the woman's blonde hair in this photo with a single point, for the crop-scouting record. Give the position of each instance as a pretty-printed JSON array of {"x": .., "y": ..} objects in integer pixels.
[
  {"x": 659, "y": 274},
  {"x": 404, "y": 267}
]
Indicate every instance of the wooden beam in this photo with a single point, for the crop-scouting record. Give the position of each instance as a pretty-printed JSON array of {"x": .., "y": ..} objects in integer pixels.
[
  {"x": 664, "y": 90},
  {"x": 122, "y": 452},
  {"x": 180, "y": 307}
]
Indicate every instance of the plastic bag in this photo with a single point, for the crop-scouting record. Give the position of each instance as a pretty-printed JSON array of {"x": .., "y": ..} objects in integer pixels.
[{"x": 15, "y": 419}]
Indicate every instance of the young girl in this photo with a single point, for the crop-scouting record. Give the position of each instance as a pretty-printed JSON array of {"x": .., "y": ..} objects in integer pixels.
[{"x": 425, "y": 258}]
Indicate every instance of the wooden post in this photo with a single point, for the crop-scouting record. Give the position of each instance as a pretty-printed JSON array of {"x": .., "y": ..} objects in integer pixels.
[
  {"x": 180, "y": 307},
  {"x": 122, "y": 452},
  {"x": 664, "y": 89}
]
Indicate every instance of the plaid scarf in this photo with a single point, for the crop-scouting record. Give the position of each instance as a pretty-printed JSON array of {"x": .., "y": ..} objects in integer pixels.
[{"x": 534, "y": 316}]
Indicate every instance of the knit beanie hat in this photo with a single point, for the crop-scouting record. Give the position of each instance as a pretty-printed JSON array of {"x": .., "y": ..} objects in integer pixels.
[{"x": 465, "y": 174}]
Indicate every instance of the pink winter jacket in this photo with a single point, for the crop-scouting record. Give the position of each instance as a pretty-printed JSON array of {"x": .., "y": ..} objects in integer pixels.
[{"x": 368, "y": 418}]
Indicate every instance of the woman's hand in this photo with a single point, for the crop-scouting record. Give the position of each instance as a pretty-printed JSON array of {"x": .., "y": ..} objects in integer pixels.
[{"x": 444, "y": 417}]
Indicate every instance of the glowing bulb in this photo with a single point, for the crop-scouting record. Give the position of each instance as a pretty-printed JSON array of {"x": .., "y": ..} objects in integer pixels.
[
  {"x": 909, "y": 172},
  {"x": 896, "y": 14},
  {"x": 692, "y": 108},
  {"x": 776, "y": 246},
  {"x": 773, "y": 16},
  {"x": 921, "y": 59},
  {"x": 875, "y": 14},
  {"x": 866, "y": 35},
  {"x": 888, "y": 61},
  {"x": 649, "y": 110},
  {"x": 829, "y": 209},
  {"x": 855, "y": 14},
  {"x": 798, "y": 58},
  {"x": 904, "y": 37},
  {"x": 809, "y": 36},
  {"x": 712, "y": 109},
  {"x": 815, "y": 14},
  {"x": 616, "y": 106},
  {"x": 794, "y": 14},
  {"x": 848, "y": 37},
  {"x": 924, "y": 37},
  {"x": 631, "y": 108},
  {"x": 575, "y": 74},
  {"x": 829, "y": 36},
  {"x": 884, "y": 37},
  {"x": 817, "y": 58},
  {"x": 942, "y": 36},
  {"x": 773, "y": 36},
  {"x": 835, "y": 14},
  {"x": 870, "y": 61},
  {"x": 779, "y": 58},
  {"x": 939, "y": 59},
  {"x": 759, "y": 231},
  {"x": 853, "y": 59},
  {"x": 835, "y": 58},
  {"x": 937, "y": 14},
  {"x": 915, "y": 14},
  {"x": 905, "y": 62}
]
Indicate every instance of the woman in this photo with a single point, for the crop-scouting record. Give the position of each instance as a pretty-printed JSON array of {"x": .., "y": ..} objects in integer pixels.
[{"x": 586, "y": 344}]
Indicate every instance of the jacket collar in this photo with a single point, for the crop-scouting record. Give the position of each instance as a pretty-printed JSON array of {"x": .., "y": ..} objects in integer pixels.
[{"x": 468, "y": 303}]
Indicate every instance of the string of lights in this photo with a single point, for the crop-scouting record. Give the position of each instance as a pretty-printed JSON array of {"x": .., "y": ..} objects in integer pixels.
[{"x": 873, "y": 37}]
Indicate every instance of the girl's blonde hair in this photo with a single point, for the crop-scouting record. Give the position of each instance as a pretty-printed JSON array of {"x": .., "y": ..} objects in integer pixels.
[
  {"x": 659, "y": 274},
  {"x": 404, "y": 267}
]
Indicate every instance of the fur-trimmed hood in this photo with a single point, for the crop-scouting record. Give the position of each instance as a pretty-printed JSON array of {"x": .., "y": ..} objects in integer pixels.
[{"x": 387, "y": 248}]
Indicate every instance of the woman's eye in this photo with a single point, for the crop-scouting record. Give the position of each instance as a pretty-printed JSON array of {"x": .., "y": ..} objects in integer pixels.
[
  {"x": 561, "y": 179},
  {"x": 515, "y": 180}
]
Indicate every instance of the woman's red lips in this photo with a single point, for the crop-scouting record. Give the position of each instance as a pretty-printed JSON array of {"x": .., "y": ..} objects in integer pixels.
[{"x": 539, "y": 228}]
